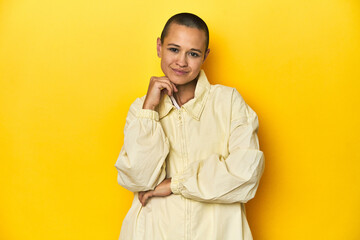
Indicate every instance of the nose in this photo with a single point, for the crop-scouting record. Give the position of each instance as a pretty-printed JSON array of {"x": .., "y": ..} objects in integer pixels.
[{"x": 181, "y": 60}]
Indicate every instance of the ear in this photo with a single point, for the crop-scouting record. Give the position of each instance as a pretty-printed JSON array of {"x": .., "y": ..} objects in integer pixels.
[
  {"x": 158, "y": 47},
  {"x": 206, "y": 54}
]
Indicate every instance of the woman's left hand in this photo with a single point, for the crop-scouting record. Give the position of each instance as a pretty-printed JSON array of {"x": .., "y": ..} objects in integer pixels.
[{"x": 161, "y": 190}]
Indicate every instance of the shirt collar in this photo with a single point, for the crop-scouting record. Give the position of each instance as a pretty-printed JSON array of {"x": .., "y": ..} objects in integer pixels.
[{"x": 194, "y": 106}]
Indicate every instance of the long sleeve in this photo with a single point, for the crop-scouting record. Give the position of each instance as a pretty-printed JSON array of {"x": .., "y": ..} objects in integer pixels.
[
  {"x": 232, "y": 179},
  {"x": 141, "y": 162}
]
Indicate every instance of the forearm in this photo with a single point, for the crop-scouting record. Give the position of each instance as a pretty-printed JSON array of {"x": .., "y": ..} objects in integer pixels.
[
  {"x": 220, "y": 180},
  {"x": 141, "y": 162}
]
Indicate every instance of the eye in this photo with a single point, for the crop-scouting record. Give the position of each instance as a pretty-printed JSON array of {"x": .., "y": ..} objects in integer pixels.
[
  {"x": 194, "y": 54},
  {"x": 175, "y": 50}
]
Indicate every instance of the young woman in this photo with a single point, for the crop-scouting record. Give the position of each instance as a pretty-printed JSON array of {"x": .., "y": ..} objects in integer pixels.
[{"x": 191, "y": 153}]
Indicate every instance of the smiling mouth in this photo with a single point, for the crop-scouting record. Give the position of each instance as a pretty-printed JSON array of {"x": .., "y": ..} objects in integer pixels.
[{"x": 179, "y": 72}]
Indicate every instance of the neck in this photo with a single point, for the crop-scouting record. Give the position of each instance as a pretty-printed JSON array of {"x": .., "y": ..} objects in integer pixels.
[{"x": 185, "y": 92}]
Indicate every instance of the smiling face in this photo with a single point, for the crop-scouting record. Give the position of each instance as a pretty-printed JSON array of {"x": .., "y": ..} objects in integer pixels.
[{"x": 182, "y": 53}]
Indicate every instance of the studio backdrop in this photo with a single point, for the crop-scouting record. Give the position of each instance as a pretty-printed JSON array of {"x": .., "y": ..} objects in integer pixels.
[{"x": 69, "y": 71}]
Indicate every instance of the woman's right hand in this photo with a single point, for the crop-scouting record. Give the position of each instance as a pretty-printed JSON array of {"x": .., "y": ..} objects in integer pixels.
[{"x": 157, "y": 87}]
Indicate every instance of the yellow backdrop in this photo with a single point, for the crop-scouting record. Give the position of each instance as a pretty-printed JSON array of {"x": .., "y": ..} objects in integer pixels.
[{"x": 69, "y": 71}]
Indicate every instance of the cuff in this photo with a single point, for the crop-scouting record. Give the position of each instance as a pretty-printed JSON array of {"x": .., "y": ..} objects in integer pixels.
[
  {"x": 175, "y": 184},
  {"x": 148, "y": 113}
]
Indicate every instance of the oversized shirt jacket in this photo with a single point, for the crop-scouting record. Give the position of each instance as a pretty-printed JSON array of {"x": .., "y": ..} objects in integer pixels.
[{"x": 210, "y": 149}]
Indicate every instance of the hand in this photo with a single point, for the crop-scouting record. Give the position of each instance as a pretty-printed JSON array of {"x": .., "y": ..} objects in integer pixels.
[
  {"x": 157, "y": 87},
  {"x": 161, "y": 190}
]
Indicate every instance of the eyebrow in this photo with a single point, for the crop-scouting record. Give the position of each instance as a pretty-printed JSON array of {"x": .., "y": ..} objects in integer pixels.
[{"x": 192, "y": 49}]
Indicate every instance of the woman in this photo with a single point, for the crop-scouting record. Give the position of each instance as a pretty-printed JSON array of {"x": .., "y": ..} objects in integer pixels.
[{"x": 191, "y": 154}]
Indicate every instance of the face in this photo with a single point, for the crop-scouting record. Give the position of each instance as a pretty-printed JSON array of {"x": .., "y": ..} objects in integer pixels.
[{"x": 182, "y": 53}]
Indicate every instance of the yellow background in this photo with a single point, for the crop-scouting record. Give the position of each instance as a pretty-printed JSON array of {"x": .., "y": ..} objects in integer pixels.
[{"x": 69, "y": 71}]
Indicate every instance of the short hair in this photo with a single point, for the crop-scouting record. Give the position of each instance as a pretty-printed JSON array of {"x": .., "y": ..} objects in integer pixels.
[{"x": 189, "y": 20}]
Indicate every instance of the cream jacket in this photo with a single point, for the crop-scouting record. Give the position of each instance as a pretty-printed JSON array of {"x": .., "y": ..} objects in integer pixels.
[{"x": 209, "y": 147}]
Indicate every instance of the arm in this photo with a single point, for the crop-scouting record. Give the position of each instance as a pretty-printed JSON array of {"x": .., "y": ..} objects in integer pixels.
[
  {"x": 141, "y": 162},
  {"x": 234, "y": 178}
]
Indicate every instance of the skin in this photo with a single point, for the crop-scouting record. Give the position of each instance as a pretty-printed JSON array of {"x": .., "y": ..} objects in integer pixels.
[{"x": 182, "y": 54}]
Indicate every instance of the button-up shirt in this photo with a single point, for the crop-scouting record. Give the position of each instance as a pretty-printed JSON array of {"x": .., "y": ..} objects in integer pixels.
[{"x": 210, "y": 149}]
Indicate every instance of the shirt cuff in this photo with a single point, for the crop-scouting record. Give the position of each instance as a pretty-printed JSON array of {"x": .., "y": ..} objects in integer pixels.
[
  {"x": 148, "y": 113},
  {"x": 175, "y": 184}
]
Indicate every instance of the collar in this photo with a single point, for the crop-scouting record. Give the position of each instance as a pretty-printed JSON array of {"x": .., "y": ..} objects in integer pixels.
[{"x": 194, "y": 106}]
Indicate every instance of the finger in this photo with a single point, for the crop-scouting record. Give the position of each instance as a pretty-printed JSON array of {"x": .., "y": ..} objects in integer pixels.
[
  {"x": 146, "y": 197},
  {"x": 141, "y": 199},
  {"x": 159, "y": 78},
  {"x": 171, "y": 83},
  {"x": 165, "y": 85},
  {"x": 156, "y": 80},
  {"x": 140, "y": 195},
  {"x": 174, "y": 87}
]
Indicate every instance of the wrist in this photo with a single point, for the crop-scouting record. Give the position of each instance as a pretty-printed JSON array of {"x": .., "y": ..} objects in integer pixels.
[{"x": 146, "y": 105}]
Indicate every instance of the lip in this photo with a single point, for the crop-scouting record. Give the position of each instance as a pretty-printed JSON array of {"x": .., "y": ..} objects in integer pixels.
[{"x": 179, "y": 72}]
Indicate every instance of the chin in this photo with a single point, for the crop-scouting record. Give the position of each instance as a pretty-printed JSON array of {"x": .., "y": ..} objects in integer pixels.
[{"x": 180, "y": 80}]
